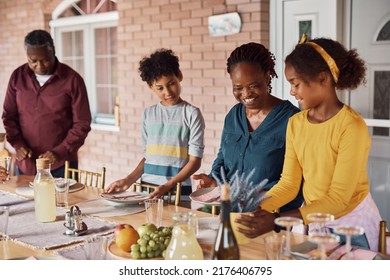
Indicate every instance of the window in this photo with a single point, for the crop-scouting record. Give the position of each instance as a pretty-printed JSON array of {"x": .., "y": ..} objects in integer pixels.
[
  {"x": 305, "y": 26},
  {"x": 384, "y": 34},
  {"x": 85, "y": 36},
  {"x": 381, "y": 100}
]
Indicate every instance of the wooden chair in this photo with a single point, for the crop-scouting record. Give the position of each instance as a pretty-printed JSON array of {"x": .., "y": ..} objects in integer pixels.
[
  {"x": 149, "y": 188},
  {"x": 87, "y": 178},
  {"x": 382, "y": 237},
  {"x": 214, "y": 210}
]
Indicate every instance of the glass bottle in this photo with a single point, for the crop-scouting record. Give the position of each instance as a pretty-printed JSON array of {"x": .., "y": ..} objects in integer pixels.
[
  {"x": 44, "y": 192},
  {"x": 183, "y": 244},
  {"x": 226, "y": 245}
]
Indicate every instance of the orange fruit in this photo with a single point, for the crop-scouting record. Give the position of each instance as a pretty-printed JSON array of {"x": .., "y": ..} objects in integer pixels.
[{"x": 125, "y": 238}]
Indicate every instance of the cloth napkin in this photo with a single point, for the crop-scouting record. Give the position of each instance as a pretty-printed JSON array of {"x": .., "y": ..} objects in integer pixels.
[
  {"x": 77, "y": 253},
  {"x": 102, "y": 208},
  {"x": 23, "y": 228}
]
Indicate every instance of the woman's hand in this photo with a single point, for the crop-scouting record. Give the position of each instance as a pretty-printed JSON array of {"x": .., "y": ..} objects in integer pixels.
[
  {"x": 118, "y": 186},
  {"x": 204, "y": 181},
  {"x": 258, "y": 223}
]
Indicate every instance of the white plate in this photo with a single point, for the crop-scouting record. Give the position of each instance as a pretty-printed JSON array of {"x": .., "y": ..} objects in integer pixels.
[
  {"x": 196, "y": 196},
  {"x": 72, "y": 182},
  {"x": 29, "y": 191},
  {"x": 127, "y": 197}
]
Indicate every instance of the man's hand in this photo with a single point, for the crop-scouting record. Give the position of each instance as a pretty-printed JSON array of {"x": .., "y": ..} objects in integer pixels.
[
  {"x": 204, "y": 181},
  {"x": 23, "y": 153},
  {"x": 50, "y": 155},
  {"x": 3, "y": 174}
]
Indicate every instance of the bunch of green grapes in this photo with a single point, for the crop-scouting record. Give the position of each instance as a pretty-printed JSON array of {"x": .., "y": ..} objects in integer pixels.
[{"x": 152, "y": 244}]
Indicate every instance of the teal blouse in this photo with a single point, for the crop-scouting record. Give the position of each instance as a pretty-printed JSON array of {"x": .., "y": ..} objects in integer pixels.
[{"x": 262, "y": 149}]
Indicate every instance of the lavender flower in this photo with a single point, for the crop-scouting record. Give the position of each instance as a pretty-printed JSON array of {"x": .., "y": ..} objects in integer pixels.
[{"x": 245, "y": 196}]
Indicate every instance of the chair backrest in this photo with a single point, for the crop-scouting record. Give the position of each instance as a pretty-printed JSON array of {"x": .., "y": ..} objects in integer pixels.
[
  {"x": 149, "y": 188},
  {"x": 382, "y": 237},
  {"x": 85, "y": 177}
]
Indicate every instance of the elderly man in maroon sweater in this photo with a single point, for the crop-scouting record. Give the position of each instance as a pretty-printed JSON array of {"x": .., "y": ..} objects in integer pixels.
[{"x": 46, "y": 110}]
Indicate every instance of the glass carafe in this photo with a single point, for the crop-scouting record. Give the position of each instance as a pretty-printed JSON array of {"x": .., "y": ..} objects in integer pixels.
[
  {"x": 183, "y": 244},
  {"x": 44, "y": 192}
]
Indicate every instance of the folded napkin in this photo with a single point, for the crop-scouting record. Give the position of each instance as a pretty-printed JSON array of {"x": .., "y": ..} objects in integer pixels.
[
  {"x": 355, "y": 254},
  {"x": 308, "y": 250}
]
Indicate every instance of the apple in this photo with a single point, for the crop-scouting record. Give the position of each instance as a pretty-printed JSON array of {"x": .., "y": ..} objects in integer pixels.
[
  {"x": 146, "y": 228},
  {"x": 120, "y": 227}
]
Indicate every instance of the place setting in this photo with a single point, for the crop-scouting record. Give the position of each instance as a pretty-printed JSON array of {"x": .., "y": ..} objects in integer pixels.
[
  {"x": 126, "y": 197},
  {"x": 115, "y": 204},
  {"x": 29, "y": 189}
]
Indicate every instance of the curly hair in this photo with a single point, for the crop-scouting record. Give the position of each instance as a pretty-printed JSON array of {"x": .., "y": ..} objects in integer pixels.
[
  {"x": 255, "y": 54},
  {"x": 308, "y": 63},
  {"x": 163, "y": 62}
]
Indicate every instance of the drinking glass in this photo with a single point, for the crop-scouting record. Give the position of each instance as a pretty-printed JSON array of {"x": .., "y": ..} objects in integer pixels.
[
  {"x": 95, "y": 247},
  {"x": 348, "y": 231},
  {"x": 319, "y": 220},
  {"x": 322, "y": 239},
  {"x": 154, "y": 211},
  {"x": 288, "y": 223}
]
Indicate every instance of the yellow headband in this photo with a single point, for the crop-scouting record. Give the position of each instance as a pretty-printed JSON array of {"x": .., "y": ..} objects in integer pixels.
[{"x": 328, "y": 59}]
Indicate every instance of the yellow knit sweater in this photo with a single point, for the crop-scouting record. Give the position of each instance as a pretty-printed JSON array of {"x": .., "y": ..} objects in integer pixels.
[{"x": 331, "y": 159}]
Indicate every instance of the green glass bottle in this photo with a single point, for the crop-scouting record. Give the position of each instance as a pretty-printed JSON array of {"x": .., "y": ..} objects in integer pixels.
[{"x": 226, "y": 245}]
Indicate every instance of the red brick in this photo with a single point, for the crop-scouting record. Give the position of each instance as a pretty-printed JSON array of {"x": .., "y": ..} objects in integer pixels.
[{"x": 144, "y": 26}]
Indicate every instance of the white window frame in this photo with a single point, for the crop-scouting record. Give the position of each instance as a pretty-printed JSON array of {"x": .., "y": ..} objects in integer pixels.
[{"x": 87, "y": 23}]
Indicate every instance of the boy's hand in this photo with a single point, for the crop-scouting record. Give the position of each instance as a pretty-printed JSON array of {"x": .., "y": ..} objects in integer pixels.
[
  {"x": 118, "y": 186},
  {"x": 159, "y": 191}
]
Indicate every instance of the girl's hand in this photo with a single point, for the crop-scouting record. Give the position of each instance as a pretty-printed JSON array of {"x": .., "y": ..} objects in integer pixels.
[{"x": 258, "y": 223}]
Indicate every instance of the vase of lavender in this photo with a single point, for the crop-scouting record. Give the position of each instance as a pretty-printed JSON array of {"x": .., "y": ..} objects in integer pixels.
[{"x": 245, "y": 198}]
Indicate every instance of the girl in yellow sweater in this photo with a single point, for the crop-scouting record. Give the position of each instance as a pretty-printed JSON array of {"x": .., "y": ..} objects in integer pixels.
[{"x": 327, "y": 145}]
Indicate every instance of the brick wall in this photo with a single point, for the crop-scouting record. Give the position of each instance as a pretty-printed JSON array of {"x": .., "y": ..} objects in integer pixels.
[{"x": 145, "y": 25}]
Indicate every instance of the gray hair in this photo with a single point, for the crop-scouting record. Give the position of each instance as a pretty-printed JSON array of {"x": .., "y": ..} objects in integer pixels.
[{"x": 39, "y": 38}]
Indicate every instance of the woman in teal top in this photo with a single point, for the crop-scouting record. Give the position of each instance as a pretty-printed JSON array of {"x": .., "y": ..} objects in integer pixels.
[{"x": 254, "y": 131}]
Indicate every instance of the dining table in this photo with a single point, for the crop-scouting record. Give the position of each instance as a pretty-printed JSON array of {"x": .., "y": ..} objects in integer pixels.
[{"x": 29, "y": 239}]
